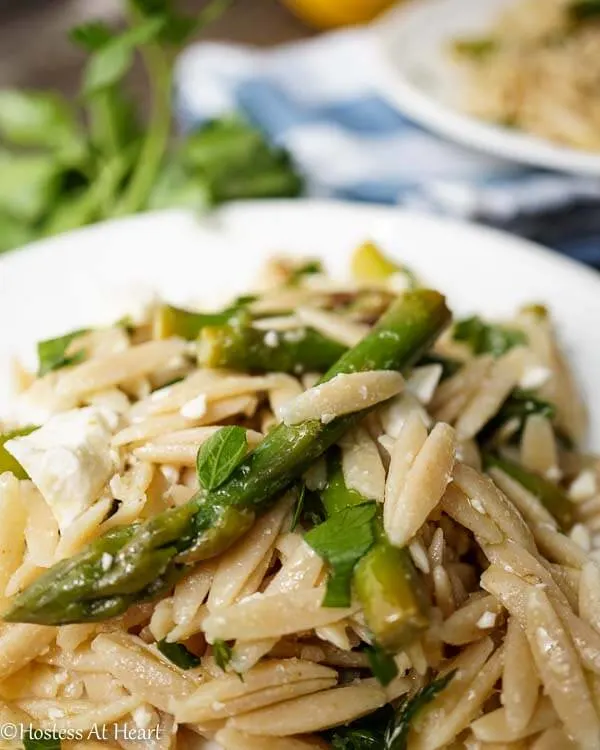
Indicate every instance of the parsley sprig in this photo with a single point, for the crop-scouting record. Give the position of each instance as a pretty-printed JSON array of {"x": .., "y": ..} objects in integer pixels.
[{"x": 67, "y": 164}]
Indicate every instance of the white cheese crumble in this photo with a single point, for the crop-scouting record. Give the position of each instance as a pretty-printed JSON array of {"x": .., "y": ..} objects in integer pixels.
[
  {"x": 69, "y": 459},
  {"x": 553, "y": 473},
  {"x": 535, "y": 377},
  {"x": 106, "y": 561},
  {"x": 487, "y": 620},
  {"x": 142, "y": 716},
  {"x": 195, "y": 408},
  {"x": 271, "y": 339},
  {"x": 545, "y": 641},
  {"x": 399, "y": 282},
  {"x": 583, "y": 486}
]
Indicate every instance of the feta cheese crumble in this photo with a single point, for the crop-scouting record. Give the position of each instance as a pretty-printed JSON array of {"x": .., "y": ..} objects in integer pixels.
[{"x": 69, "y": 459}]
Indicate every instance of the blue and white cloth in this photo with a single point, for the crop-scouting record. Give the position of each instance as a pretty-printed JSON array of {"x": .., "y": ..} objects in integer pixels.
[{"x": 317, "y": 99}]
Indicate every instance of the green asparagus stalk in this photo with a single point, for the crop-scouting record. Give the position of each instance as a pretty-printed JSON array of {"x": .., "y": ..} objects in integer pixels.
[
  {"x": 386, "y": 583},
  {"x": 384, "y": 580},
  {"x": 174, "y": 321},
  {"x": 138, "y": 561},
  {"x": 550, "y": 496},
  {"x": 239, "y": 346}
]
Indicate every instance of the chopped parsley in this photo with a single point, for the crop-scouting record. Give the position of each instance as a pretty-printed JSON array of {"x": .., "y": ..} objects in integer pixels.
[
  {"x": 222, "y": 652},
  {"x": 382, "y": 664},
  {"x": 178, "y": 654},
  {"x": 486, "y": 338},
  {"x": 310, "y": 268},
  {"x": 342, "y": 541},
  {"x": 52, "y": 353},
  {"x": 520, "y": 405},
  {"x": 396, "y": 736}
]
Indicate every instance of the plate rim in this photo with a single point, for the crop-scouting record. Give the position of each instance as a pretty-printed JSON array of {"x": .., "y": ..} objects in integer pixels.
[
  {"x": 460, "y": 127},
  {"x": 456, "y": 224},
  {"x": 569, "y": 280}
]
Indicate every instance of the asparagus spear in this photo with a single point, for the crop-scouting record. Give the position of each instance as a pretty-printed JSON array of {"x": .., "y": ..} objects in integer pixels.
[
  {"x": 239, "y": 346},
  {"x": 371, "y": 265},
  {"x": 552, "y": 497},
  {"x": 174, "y": 321},
  {"x": 146, "y": 557},
  {"x": 384, "y": 580},
  {"x": 386, "y": 584}
]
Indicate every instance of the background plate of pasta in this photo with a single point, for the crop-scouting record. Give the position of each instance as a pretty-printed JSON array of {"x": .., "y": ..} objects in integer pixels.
[
  {"x": 298, "y": 475},
  {"x": 515, "y": 78}
]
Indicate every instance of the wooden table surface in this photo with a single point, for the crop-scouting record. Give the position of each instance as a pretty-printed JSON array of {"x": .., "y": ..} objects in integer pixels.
[{"x": 34, "y": 50}]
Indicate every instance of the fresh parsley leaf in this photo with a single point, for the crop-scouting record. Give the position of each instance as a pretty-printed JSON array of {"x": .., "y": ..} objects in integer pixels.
[
  {"x": 396, "y": 736},
  {"x": 220, "y": 455},
  {"x": 222, "y": 652},
  {"x": 520, "y": 405},
  {"x": 312, "y": 512},
  {"x": 34, "y": 118},
  {"x": 52, "y": 353},
  {"x": 30, "y": 182},
  {"x": 485, "y": 338},
  {"x": 357, "y": 739},
  {"x": 177, "y": 28},
  {"x": 364, "y": 734},
  {"x": 298, "y": 508},
  {"x": 110, "y": 62},
  {"x": 178, "y": 654},
  {"x": 108, "y": 65},
  {"x": 46, "y": 741},
  {"x": 92, "y": 35},
  {"x": 14, "y": 232},
  {"x": 7, "y": 461},
  {"x": 342, "y": 541},
  {"x": 383, "y": 665},
  {"x": 230, "y": 159},
  {"x": 336, "y": 495},
  {"x": 310, "y": 268}
]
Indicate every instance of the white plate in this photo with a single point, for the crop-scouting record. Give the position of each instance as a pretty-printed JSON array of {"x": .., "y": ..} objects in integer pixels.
[
  {"x": 98, "y": 274},
  {"x": 420, "y": 78},
  {"x": 95, "y": 275}
]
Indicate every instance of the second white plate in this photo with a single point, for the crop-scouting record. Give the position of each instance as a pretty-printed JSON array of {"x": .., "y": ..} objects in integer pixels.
[{"x": 419, "y": 77}]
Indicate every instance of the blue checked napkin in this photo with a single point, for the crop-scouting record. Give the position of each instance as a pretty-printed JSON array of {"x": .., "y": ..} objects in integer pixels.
[{"x": 317, "y": 99}]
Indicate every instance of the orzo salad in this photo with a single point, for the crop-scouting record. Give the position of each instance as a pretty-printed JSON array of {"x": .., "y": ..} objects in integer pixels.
[{"x": 324, "y": 516}]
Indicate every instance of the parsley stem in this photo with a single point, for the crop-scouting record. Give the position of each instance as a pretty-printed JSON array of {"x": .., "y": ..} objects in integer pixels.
[{"x": 157, "y": 137}]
